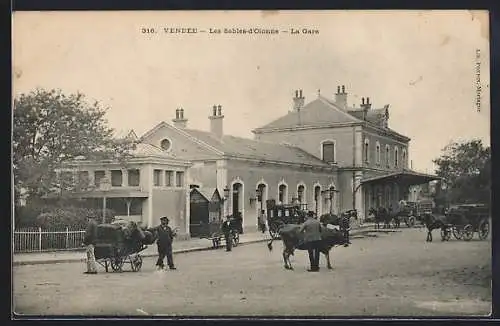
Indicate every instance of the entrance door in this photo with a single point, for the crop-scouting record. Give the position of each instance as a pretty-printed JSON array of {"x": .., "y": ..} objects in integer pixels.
[{"x": 199, "y": 216}]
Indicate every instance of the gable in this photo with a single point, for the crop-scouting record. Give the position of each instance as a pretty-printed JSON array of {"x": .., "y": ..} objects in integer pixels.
[
  {"x": 181, "y": 145},
  {"x": 316, "y": 113}
]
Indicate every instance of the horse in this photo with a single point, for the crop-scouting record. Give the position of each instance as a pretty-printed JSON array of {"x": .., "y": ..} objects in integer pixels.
[
  {"x": 433, "y": 222},
  {"x": 381, "y": 215},
  {"x": 344, "y": 221},
  {"x": 293, "y": 239}
]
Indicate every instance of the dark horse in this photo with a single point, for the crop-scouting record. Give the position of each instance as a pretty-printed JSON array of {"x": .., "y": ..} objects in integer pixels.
[
  {"x": 432, "y": 223},
  {"x": 343, "y": 221},
  {"x": 293, "y": 239},
  {"x": 381, "y": 215}
]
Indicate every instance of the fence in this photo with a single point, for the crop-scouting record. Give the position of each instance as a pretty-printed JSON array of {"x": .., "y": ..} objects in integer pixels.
[{"x": 36, "y": 240}]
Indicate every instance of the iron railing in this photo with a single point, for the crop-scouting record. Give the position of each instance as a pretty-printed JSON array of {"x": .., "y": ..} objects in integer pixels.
[{"x": 38, "y": 239}]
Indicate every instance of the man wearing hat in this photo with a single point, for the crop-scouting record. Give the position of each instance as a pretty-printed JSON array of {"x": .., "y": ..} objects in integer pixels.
[
  {"x": 165, "y": 236},
  {"x": 312, "y": 237},
  {"x": 89, "y": 242}
]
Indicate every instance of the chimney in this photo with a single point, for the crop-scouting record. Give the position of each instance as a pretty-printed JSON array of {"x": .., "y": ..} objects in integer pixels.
[
  {"x": 180, "y": 121},
  {"x": 298, "y": 100},
  {"x": 216, "y": 126},
  {"x": 341, "y": 97}
]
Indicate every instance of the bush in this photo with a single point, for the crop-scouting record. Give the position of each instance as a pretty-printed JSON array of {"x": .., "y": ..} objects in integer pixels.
[{"x": 74, "y": 217}]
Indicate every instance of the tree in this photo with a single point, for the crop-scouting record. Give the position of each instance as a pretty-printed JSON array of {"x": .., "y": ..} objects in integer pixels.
[
  {"x": 50, "y": 128},
  {"x": 466, "y": 170}
]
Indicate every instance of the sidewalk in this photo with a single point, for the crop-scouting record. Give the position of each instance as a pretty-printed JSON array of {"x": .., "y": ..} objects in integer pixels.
[{"x": 181, "y": 246}]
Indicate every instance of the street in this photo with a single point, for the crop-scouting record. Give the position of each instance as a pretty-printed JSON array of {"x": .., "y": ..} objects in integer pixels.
[{"x": 395, "y": 274}]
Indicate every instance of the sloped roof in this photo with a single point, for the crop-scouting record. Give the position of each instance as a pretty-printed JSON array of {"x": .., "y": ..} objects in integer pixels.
[
  {"x": 144, "y": 149},
  {"x": 123, "y": 134},
  {"x": 208, "y": 193},
  {"x": 318, "y": 112},
  {"x": 253, "y": 149},
  {"x": 374, "y": 116}
]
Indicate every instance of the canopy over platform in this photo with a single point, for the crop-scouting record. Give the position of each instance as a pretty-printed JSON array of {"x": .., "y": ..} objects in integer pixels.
[{"x": 405, "y": 177}]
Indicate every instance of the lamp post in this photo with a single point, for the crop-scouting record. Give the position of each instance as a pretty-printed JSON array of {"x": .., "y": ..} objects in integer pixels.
[
  {"x": 105, "y": 185},
  {"x": 226, "y": 197},
  {"x": 316, "y": 198}
]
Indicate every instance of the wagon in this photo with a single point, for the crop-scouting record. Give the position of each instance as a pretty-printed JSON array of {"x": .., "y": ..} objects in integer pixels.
[
  {"x": 114, "y": 248},
  {"x": 279, "y": 215},
  {"x": 414, "y": 211},
  {"x": 465, "y": 220},
  {"x": 216, "y": 235}
]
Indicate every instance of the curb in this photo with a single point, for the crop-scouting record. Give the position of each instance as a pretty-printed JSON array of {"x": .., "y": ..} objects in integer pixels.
[
  {"x": 356, "y": 232},
  {"x": 80, "y": 260}
]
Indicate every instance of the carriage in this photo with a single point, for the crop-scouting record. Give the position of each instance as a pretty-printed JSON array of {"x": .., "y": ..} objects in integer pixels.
[
  {"x": 281, "y": 214},
  {"x": 215, "y": 234},
  {"x": 464, "y": 220},
  {"x": 413, "y": 211},
  {"x": 116, "y": 245}
]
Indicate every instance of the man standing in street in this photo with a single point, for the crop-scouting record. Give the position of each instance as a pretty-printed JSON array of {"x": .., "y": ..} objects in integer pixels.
[
  {"x": 89, "y": 242},
  {"x": 312, "y": 237},
  {"x": 165, "y": 236},
  {"x": 226, "y": 230}
]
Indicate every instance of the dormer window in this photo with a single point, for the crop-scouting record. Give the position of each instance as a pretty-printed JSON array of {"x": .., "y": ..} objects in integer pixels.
[
  {"x": 328, "y": 151},
  {"x": 165, "y": 144}
]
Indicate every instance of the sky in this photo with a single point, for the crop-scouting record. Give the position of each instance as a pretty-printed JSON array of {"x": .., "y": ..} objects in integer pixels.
[{"x": 422, "y": 63}]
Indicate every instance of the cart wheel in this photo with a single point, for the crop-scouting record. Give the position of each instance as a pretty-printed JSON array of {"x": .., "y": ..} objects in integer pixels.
[
  {"x": 445, "y": 234},
  {"x": 136, "y": 263},
  {"x": 236, "y": 238},
  {"x": 468, "y": 232},
  {"x": 410, "y": 221},
  {"x": 457, "y": 232},
  {"x": 116, "y": 264},
  {"x": 483, "y": 229}
]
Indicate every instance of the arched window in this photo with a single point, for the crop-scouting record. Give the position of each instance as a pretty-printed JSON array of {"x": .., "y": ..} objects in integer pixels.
[
  {"x": 301, "y": 193},
  {"x": 367, "y": 150},
  {"x": 396, "y": 156},
  {"x": 404, "y": 158},
  {"x": 377, "y": 152},
  {"x": 387, "y": 155},
  {"x": 165, "y": 144},
  {"x": 282, "y": 193},
  {"x": 328, "y": 151}
]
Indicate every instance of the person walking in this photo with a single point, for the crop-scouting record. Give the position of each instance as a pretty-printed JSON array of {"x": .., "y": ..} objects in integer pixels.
[
  {"x": 165, "y": 236},
  {"x": 312, "y": 237},
  {"x": 262, "y": 221},
  {"x": 226, "y": 230},
  {"x": 89, "y": 241}
]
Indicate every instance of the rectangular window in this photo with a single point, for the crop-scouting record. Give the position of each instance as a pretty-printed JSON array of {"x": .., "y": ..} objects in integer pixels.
[
  {"x": 116, "y": 178},
  {"x": 98, "y": 175},
  {"x": 157, "y": 178},
  {"x": 83, "y": 179},
  {"x": 169, "y": 178},
  {"x": 134, "y": 177},
  {"x": 179, "y": 176},
  {"x": 329, "y": 152}
]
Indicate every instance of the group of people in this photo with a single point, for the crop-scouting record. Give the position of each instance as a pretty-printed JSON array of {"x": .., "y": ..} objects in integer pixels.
[{"x": 311, "y": 230}]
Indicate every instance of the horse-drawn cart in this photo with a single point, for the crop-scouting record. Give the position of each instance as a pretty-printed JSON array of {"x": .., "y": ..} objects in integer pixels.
[
  {"x": 464, "y": 220},
  {"x": 279, "y": 215},
  {"x": 117, "y": 245},
  {"x": 216, "y": 235}
]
